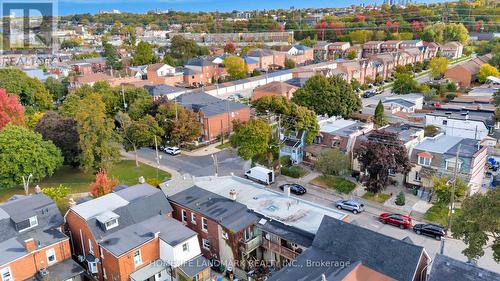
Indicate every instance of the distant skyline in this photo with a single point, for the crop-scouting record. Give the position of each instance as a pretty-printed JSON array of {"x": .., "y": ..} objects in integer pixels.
[{"x": 67, "y": 7}]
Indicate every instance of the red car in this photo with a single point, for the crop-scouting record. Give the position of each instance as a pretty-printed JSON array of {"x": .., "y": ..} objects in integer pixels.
[{"x": 403, "y": 221}]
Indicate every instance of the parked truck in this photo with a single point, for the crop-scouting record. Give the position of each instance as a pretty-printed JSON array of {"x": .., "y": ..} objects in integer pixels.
[{"x": 261, "y": 175}]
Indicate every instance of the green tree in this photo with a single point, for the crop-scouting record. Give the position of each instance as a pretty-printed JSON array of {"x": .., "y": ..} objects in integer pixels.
[
  {"x": 97, "y": 141},
  {"x": 478, "y": 225},
  {"x": 138, "y": 134},
  {"x": 70, "y": 105},
  {"x": 252, "y": 138},
  {"x": 23, "y": 152},
  {"x": 236, "y": 67},
  {"x": 30, "y": 91},
  {"x": 404, "y": 84},
  {"x": 431, "y": 131},
  {"x": 308, "y": 42},
  {"x": 379, "y": 116},
  {"x": 438, "y": 66},
  {"x": 442, "y": 188},
  {"x": 57, "y": 193},
  {"x": 184, "y": 49},
  {"x": 360, "y": 36},
  {"x": 333, "y": 162},
  {"x": 140, "y": 106},
  {"x": 487, "y": 70},
  {"x": 112, "y": 58},
  {"x": 332, "y": 96},
  {"x": 143, "y": 54},
  {"x": 180, "y": 124},
  {"x": 352, "y": 54},
  {"x": 289, "y": 63},
  {"x": 56, "y": 88}
]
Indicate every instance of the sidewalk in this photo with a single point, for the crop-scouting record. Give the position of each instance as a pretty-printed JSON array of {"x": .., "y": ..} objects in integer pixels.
[{"x": 203, "y": 151}]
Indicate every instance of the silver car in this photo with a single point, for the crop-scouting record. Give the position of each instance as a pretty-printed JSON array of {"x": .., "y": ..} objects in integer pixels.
[{"x": 350, "y": 205}]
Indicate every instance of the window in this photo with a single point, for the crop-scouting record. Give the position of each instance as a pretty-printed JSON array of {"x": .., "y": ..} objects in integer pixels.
[
  {"x": 204, "y": 224},
  {"x": 91, "y": 247},
  {"x": 111, "y": 224},
  {"x": 6, "y": 276},
  {"x": 184, "y": 215},
  {"x": 424, "y": 161},
  {"x": 137, "y": 258},
  {"x": 248, "y": 234},
  {"x": 104, "y": 273},
  {"x": 193, "y": 218},
  {"x": 33, "y": 221},
  {"x": 185, "y": 247},
  {"x": 206, "y": 244},
  {"x": 450, "y": 164},
  {"x": 51, "y": 256},
  {"x": 101, "y": 252},
  {"x": 27, "y": 224},
  {"x": 417, "y": 176},
  {"x": 445, "y": 122},
  {"x": 92, "y": 267}
]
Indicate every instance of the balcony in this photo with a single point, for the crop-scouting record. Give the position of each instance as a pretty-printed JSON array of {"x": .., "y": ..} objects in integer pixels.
[
  {"x": 282, "y": 251},
  {"x": 252, "y": 244}
]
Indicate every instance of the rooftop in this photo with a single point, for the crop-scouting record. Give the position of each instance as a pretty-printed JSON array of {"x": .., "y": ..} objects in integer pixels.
[
  {"x": 445, "y": 269},
  {"x": 291, "y": 211},
  {"x": 443, "y": 144},
  {"x": 339, "y": 126}
]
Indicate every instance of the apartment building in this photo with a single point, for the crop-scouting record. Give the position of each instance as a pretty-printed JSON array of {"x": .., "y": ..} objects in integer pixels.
[
  {"x": 452, "y": 50},
  {"x": 372, "y": 48},
  {"x": 33, "y": 245},
  {"x": 129, "y": 235},
  {"x": 390, "y": 46}
]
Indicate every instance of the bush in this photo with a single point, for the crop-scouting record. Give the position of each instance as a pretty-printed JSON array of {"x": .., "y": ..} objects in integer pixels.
[
  {"x": 401, "y": 199},
  {"x": 285, "y": 161},
  {"x": 451, "y": 96},
  {"x": 294, "y": 171}
]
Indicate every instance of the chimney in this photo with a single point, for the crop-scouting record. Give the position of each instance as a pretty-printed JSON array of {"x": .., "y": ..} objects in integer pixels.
[
  {"x": 29, "y": 244},
  {"x": 141, "y": 180},
  {"x": 71, "y": 202},
  {"x": 232, "y": 194},
  {"x": 323, "y": 277},
  {"x": 38, "y": 189},
  {"x": 287, "y": 191}
]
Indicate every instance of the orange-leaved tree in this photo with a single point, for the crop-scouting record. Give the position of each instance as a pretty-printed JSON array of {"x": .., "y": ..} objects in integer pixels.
[{"x": 103, "y": 184}]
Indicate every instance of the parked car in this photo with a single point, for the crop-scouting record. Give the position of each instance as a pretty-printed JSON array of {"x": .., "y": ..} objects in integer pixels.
[
  {"x": 172, "y": 150},
  {"x": 350, "y": 205},
  {"x": 294, "y": 188},
  {"x": 433, "y": 230},
  {"x": 368, "y": 94},
  {"x": 402, "y": 221}
]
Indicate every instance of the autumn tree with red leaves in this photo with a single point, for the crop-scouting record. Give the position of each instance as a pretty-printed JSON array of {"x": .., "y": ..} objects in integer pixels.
[
  {"x": 103, "y": 184},
  {"x": 230, "y": 48},
  {"x": 11, "y": 111}
]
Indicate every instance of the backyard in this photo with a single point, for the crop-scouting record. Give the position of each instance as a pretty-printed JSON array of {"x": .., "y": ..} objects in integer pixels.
[
  {"x": 332, "y": 182},
  {"x": 78, "y": 181}
]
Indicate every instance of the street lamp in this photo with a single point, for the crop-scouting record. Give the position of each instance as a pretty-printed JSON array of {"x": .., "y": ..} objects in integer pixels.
[{"x": 26, "y": 183}]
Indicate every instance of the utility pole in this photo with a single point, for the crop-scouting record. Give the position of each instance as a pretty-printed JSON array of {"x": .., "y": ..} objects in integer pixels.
[
  {"x": 157, "y": 158},
  {"x": 216, "y": 164},
  {"x": 452, "y": 196}
]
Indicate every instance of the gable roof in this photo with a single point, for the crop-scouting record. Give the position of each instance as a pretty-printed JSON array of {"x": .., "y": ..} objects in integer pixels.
[
  {"x": 445, "y": 268},
  {"x": 199, "y": 62},
  {"x": 208, "y": 104},
  {"x": 277, "y": 87},
  {"x": 228, "y": 213}
]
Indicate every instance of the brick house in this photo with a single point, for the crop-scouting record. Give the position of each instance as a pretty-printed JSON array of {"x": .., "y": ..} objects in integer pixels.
[
  {"x": 390, "y": 46},
  {"x": 411, "y": 44},
  {"x": 371, "y": 48},
  {"x": 161, "y": 73},
  {"x": 338, "y": 48},
  {"x": 452, "y": 50},
  {"x": 251, "y": 64},
  {"x": 215, "y": 115},
  {"x": 267, "y": 59},
  {"x": 300, "y": 54},
  {"x": 465, "y": 73},
  {"x": 32, "y": 243},
  {"x": 225, "y": 227},
  {"x": 129, "y": 235},
  {"x": 275, "y": 88},
  {"x": 210, "y": 71}
]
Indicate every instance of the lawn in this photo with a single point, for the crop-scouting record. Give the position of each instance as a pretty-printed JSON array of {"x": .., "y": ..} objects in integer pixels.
[
  {"x": 438, "y": 213},
  {"x": 125, "y": 171},
  {"x": 379, "y": 198},
  {"x": 293, "y": 171},
  {"x": 225, "y": 145},
  {"x": 338, "y": 183}
]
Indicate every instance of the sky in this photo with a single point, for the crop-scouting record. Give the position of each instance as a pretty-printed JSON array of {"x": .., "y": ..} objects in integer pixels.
[{"x": 137, "y": 6}]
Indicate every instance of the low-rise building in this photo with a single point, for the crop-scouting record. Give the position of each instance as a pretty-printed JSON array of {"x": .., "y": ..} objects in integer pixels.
[
  {"x": 452, "y": 50},
  {"x": 300, "y": 54},
  {"x": 275, "y": 88},
  {"x": 372, "y": 48},
  {"x": 390, "y": 46},
  {"x": 33, "y": 245},
  {"x": 161, "y": 73},
  {"x": 292, "y": 145},
  {"x": 473, "y": 124},
  {"x": 411, "y": 44},
  {"x": 465, "y": 73},
  {"x": 445, "y": 268},
  {"x": 436, "y": 156},
  {"x": 209, "y": 70}
]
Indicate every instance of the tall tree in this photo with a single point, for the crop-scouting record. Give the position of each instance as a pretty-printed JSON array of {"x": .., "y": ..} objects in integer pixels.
[
  {"x": 102, "y": 184},
  {"x": 442, "y": 188},
  {"x": 180, "y": 125},
  {"x": 230, "y": 48},
  {"x": 438, "y": 66},
  {"x": 56, "y": 88},
  {"x": 30, "y": 91},
  {"x": 487, "y": 70},
  {"x": 404, "y": 84},
  {"x": 477, "y": 224},
  {"x": 11, "y": 111},
  {"x": 143, "y": 54},
  {"x": 97, "y": 142},
  {"x": 62, "y": 131},
  {"x": 23, "y": 152},
  {"x": 379, "y": 116},
  {"x": 236, "y": 67},
  {"x": 332, "y": 96},
  {"x": 137, "y": 134},
  {"x": 333, "y": 162},
  {"x": 289, "y": 63},
  {"x": 383, "y": 151},
  {"x": 112, "y": 58},
  {"x": 252, "y": 138}
]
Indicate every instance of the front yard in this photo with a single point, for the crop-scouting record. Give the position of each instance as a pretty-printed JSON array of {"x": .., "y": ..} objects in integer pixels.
[
  {"x": 337, "y": 183},
  {"x": 78, "y": 181},
  {"x": 376, "y": 197},
  {"x": 438, "y": 213}
]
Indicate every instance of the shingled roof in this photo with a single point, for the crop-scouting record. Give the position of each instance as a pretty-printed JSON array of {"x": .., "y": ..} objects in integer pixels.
[{"x": 446, "y": 269}]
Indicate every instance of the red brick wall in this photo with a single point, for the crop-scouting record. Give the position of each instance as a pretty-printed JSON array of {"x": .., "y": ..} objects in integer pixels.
[
  {"x": 27, "y": 266},
  {"x": 459, "y": 74},
  {"x": 212, "y": 125}
]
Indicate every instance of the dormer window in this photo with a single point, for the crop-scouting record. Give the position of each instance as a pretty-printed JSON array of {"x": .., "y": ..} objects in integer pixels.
[
  {"x": 424, "y": 158},
  {"x": 27, "y": 224},
  {"x": 108, "y": 220},
  {"x": 112, "y": 223}
]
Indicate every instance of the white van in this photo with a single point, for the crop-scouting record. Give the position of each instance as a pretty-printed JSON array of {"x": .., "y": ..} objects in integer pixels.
[{"x": 261, "y": 175}]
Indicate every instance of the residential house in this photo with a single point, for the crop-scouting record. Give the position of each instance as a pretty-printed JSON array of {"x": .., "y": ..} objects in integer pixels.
[
  {"x": 408, "y": 103},
  {"x": 353, "y": 70},
  {"x": 371, "y": 48},
  {"x": 139, "y": 72},
  {"x": 192, "y": 78},
  {"x": 445, "y": 268},
  {"x": 415, "y": 55},
  {"x": 208, "y": 69},
  {"x": 339, "y": 49},
  {"x": 436, "y": 156},
  {"x": 452, "y": 50},
  {"x": 338, "y": 133},
  {"x": 275, "y": 88},
  {"x": 251, "y": 64},
  {"x": 33, "y": 245},
  {"x": 129, "y": 235},
  {"x": 467, "y": 123},
  {"x": 224, "y": 226},
  {"x": 82, "y": 68},
  {"x": 390, "y": 46},
  {"x": 158, "y": 91},
  {"x": 292, "y": 145},
  {"x": 88, "y": 79},
  {"x": 432, "y": 50},
  {"x": 300, "y": 54},
  {"x": 388, "y": 63},
  {"x": 161, "y": 73},
  {"x": 215, "y": 115},
  {"x": 321, "y": 50},
  {"x": 267, "y": 59},
  {"x": 465, "y": 73},
  {"x": 347, "y": 252},
  {"x": 411, "y": 44}
]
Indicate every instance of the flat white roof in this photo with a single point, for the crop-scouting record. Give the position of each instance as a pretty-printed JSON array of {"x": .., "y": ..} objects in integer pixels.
[
  {"x": 97, "y": 206},
  {"x": 331, "y": 125},
  {"x": 291, "y": 211}
]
